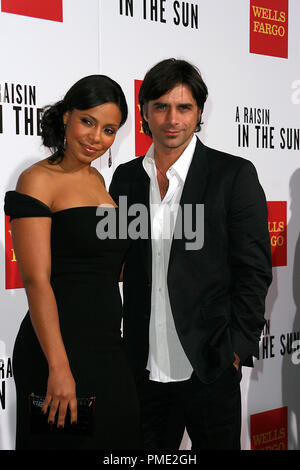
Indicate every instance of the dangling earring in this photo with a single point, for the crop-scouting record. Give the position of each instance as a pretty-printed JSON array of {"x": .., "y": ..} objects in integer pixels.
[
  {"x": 65, "y": 139},
  {"x": 109, "y": 158}
]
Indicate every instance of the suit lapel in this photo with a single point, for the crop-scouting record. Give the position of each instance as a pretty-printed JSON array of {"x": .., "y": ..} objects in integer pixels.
[
  {"x": 193, "y": 191},
  {"x": 196, "y": 178},
  {"x": 141, "y": 185},
  {"x": 140, "y": 194}
]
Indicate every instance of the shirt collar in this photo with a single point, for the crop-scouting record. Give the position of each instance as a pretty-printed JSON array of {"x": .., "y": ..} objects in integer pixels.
[{"x": 180, "y": 167}]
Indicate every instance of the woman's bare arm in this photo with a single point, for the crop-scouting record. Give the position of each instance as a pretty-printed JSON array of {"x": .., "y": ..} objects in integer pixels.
[{"x": 31, "y": 241}]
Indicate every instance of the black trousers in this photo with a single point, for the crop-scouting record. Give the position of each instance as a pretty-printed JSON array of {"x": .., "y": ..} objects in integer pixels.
[{"x": 211, "y": 413}]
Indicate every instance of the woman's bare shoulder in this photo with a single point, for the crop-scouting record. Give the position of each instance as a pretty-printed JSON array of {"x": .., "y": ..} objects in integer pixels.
[{"x": 36, "y": 182}]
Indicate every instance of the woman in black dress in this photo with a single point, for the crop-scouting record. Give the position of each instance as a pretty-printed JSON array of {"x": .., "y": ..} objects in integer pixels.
[{"x": 69, "y": 343}]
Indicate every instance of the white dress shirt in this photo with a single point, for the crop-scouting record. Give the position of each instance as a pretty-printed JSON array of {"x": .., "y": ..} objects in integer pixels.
[{"x": 167, "y": 361}]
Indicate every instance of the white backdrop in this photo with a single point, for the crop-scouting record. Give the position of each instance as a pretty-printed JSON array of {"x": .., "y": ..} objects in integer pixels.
[{"x": 121, "y": 39}]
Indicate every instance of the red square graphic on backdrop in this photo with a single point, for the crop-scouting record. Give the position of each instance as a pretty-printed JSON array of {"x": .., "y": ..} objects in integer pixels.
[
  {"x": 43, "y": 9},
  {"x": 277, "y": 222},
  {"x": 269, "y": 430},
  {"x": 12, "y": 273},
  {"x": 142, "y": 141},
  {"x": 269, "y": 27}
]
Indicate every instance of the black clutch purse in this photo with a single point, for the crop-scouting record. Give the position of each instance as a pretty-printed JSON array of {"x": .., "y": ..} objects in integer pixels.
[{"x": 85, "y": 418}]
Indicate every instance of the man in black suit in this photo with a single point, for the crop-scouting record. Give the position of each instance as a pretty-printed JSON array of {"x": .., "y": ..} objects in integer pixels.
[{"x": 194, "y": 289}]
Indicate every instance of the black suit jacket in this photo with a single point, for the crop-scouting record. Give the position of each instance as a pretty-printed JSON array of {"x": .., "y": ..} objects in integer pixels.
[{"x": 217, "y": 293}]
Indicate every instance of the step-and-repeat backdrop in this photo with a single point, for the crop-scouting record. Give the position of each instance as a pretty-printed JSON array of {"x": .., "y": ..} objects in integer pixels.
[{"x": 248, "y": 52}]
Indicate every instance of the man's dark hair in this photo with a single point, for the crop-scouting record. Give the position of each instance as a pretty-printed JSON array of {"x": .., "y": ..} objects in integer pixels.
[{"x": 163, "y": 77}]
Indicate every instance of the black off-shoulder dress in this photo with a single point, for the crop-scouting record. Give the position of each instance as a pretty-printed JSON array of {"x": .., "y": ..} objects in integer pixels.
[{"x": 84, "y": 277}]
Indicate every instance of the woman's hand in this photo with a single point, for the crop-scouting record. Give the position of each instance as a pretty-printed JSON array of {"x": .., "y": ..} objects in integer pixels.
[{"x": 61, "y": 393}]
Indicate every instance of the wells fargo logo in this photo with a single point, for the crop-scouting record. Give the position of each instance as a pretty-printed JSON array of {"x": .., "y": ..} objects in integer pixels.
[
  {"x": 277, "y": 222},
  {"x": 269, "y": 430},
  {"x": 12, "y": 273},
  {"x": 43, "y": 9},
  {"x": 142, "y": 141},
  {"x": 269, "y": 27}
]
